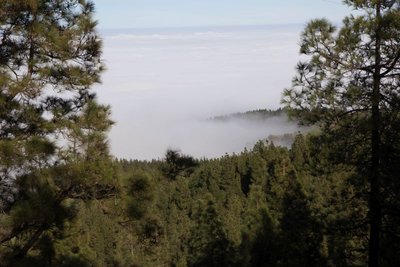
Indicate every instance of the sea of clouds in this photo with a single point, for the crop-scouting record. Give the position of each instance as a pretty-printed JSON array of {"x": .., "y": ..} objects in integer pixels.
[{"x": 163, "y": 84}]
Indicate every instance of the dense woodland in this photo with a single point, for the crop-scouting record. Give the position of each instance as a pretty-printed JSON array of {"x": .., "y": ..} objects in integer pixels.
[{"x": 332, "y": 198}]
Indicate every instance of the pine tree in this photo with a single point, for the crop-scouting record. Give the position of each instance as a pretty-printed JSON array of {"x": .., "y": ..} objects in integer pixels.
[
  {"x": 350, "y": 86},
  {"x": 209, "y": 244},
  {"x": 52, "y": 131}
]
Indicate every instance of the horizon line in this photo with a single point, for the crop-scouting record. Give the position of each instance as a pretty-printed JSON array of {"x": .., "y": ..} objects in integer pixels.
[{"x": 202, "y": 26}]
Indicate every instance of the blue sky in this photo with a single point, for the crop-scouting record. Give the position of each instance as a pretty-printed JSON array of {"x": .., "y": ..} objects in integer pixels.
[{"x": 186, "y": 13}]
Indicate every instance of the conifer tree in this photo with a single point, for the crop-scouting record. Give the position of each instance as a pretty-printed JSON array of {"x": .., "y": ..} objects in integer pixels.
[
  {"x": 52, "y": 131},
  {"x": 209, "y": 244},
  {"x": 350, "y": 86}
]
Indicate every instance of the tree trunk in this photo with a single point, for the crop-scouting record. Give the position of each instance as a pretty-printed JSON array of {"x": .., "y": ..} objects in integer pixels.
[
  {"x": 374, "y": 205},
  {"x": 24, "y": 250}
]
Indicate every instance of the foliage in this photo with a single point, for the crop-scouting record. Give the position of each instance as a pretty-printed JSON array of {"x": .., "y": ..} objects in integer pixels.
[
  {"x": 53, "y": 146},
  {"x": 291, "y": 212},
  {"x": 176, "y": 164},
  {"x": 349, "y": 85},
  {"x": 65, "y": 202}
]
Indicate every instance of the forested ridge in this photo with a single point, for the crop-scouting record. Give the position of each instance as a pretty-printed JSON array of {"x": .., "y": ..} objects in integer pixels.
[
  {"x": 269, "y": 206},
  {"x": 331, "y": 198},
  {"x": 260, "y": 114},
  {"x": 271, "y": 117}
]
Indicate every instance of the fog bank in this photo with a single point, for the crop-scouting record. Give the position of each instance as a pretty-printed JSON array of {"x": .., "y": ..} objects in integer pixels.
[{"x": 163, "y": 84}]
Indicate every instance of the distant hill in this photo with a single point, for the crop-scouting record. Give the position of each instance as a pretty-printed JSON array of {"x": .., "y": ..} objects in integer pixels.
[
  {"x": 261, "y": 115},
  {"x": 253, "y": 115}
]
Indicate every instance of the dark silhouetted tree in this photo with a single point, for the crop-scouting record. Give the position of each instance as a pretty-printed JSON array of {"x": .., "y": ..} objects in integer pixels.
[
  {"x": 177, "y": 164},
  {"x": 350, "y": 86}
]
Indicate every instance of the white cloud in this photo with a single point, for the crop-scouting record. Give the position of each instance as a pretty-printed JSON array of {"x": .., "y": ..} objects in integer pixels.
[{"x": 161, "y": 83}]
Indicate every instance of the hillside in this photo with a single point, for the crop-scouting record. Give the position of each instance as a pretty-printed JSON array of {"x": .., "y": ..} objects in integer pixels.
[
  {"x": 253, "y": 115},
  {"x": 228, "y": 211},
  {"x": 270, "y": 117}
]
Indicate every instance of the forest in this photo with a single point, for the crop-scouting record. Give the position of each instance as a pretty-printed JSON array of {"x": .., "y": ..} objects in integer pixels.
[{"x": 329, "y": 198}]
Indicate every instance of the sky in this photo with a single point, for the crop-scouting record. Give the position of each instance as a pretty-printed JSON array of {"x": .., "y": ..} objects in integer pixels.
[
  {"x": 173, "y": 64},
  {"x": 187, "y": 13}
]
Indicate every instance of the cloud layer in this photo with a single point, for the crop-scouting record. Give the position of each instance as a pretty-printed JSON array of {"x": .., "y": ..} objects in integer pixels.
[{"x": 162, "y": 84}]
